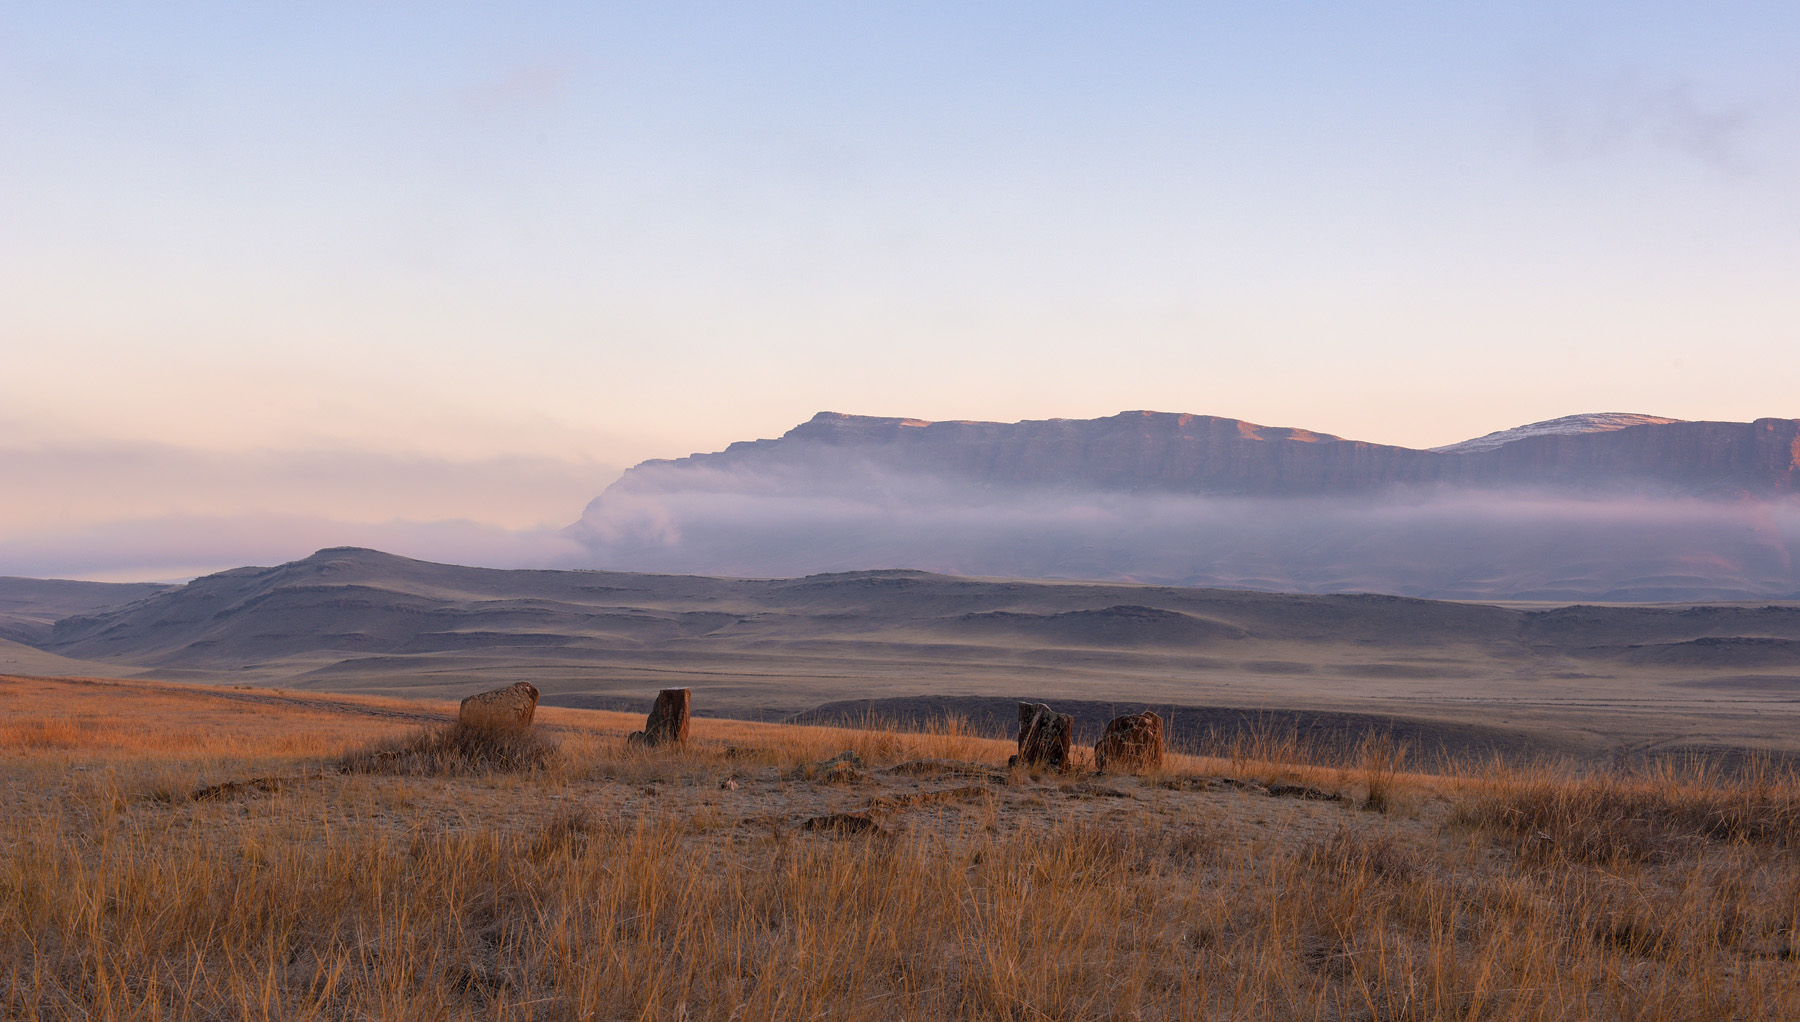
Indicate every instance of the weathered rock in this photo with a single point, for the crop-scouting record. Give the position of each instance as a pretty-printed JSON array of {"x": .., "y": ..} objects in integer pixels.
[
  {"x": 668, "y": 722},
  {"x": 844, "y": 824},
  {"x": 1185, "y": 784},
  {"x": 842, "y": 773},
  {"x": 1044, "y": 737},
  {"x": 512, "y": 706},
  {"x": 1282, "y": 789},
  {"x": 1132, "y": 742},
  {"x": 843, "y": 768},
  {"x": 915, "y": 799},
  {"x": 1088, "y": 789},
  {"x": 943, "y": 767},
  {"x": 1242, "y": 784},
  {"x": 262, "y": 784}
]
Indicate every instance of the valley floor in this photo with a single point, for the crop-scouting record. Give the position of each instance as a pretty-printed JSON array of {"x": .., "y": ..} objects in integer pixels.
[{"x": 186, "y": 852}]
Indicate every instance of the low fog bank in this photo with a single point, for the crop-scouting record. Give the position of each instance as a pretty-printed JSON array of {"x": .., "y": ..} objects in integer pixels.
[
  {"x": 178, "y": 547},
  {"x": 56, "y": 486},
  {"x": 118, "y": 511},
  {"x": 1447, "y": 544}
]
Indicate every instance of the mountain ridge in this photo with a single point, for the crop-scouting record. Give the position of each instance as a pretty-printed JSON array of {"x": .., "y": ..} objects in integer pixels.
[
  {"x": 1586, "y": 422},
  {"x": 1184, "y": 452},
  {"x": 29, "y": 607},
  {"x": 1602, "y": 506}
]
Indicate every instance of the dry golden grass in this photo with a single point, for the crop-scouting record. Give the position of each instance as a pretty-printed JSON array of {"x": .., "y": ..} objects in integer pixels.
[{"x": 608, "y": 882}]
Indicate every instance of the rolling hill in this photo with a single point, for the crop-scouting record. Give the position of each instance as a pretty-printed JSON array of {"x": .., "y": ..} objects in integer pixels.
[
  {"x": 30, "y": 606},
  {"x": 357, "y": 620}
]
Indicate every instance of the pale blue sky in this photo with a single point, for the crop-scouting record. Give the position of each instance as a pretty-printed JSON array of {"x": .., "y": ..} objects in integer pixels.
[{"x": 588, "y": 234}]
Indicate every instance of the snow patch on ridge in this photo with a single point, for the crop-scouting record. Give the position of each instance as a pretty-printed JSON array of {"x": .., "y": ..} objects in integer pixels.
[{"x": 1592, "y": 422}]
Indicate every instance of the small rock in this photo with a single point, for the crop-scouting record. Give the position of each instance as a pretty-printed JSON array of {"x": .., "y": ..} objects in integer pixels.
[
  {"x": 1131, "y": 743},
  {"x": 1088, "y": 789},
  {"x": 940, "y": 767},
  {"x": 1242, "y": 785},
  {"x": 1283, "y": 789},
  {"x": 843, "y": 824},
  {"x": 1185, "y": 783},
  {"x": 843, "y": 768},
  {"x": 512, "y": 706},
  {"x": 262, "y": 784},
  {"x": 911, "y": 800},
  {"x": 842, "y": 773}
]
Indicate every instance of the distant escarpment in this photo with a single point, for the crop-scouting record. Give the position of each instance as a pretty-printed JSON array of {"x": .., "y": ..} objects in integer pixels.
[
  {"x": 1598, "y": 506},
  {"x": 1178, "y": 453}
]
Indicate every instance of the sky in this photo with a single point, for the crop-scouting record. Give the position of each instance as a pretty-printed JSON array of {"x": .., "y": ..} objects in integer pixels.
[{"x": 431, "y": 276}]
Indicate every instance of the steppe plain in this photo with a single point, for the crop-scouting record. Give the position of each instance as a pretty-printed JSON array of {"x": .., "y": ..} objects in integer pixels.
[{"x": 1590, "y": 682}]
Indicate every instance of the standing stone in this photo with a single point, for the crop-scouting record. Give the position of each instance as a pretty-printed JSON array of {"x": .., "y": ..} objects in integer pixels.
[
  {"x": 512, "y": 706},
  {"x": 1131, "y": 742},
  {"x": 1044, "y": 737},
  {"x": 668, "y": 723}
]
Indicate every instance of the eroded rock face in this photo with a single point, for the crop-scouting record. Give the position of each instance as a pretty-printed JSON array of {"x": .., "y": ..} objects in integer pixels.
[
  {"x": 844, "y": 824},
  {"x": 512, "y": 706},
  {"x": 668, "y": 723},
  {"x": 1132, "y": 742},
  {"x": 1044, "y": 736},
  {"x": 1141, "y": 451},
  {"x": 843, "y": 768}
]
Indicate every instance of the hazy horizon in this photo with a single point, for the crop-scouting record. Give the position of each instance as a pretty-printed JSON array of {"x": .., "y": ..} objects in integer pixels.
[
  {"x": 675, "y": 518},
  {"x": 431, "y": 279}
]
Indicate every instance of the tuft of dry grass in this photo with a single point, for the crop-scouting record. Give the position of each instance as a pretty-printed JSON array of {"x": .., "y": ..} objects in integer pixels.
[
  {"x": 1382, "y": 757},
  {"x": 459, "y": 747},
  {"x": 1634, "y": 816},
  {"x": 607, "y": 882}
]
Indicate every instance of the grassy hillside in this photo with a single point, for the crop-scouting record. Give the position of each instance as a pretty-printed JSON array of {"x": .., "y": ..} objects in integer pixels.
[{"x": 176, "y": 852}]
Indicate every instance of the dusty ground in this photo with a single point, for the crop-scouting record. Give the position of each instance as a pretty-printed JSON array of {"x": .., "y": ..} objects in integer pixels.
[{"x": 63, "y": 730}]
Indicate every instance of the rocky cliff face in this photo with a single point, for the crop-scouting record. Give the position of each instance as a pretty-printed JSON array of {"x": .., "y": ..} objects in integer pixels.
[
  {"x": 1178, "y": 453},
  {"x": 1614, "y": 507},
  {"x": 1710, "y": 459}
]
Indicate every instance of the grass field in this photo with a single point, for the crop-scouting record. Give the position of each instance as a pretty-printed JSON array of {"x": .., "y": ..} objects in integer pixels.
[{"x": 177, "y": 852}]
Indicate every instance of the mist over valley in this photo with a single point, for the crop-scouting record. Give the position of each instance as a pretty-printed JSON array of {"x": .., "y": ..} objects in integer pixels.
[{"x": 1599, "y": 507}]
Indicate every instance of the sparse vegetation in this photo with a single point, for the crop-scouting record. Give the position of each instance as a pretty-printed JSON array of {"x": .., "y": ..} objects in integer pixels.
[
  {"x": 457, "y": 747},
  {"x": 599, "y": 881},
  {"x": 1645, "y": 815},
  {"x": 1382, "y": 758}
]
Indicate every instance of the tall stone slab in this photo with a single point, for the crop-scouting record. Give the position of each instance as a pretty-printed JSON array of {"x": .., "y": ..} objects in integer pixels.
[
  {"x": 668, "y": 722},
  {"x": 1044, "y": 737}
]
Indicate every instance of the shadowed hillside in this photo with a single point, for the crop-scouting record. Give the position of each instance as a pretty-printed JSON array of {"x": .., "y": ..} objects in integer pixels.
[
  {"x": 1582, "y": 678},
  {"x": 30, "y": 606}
]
